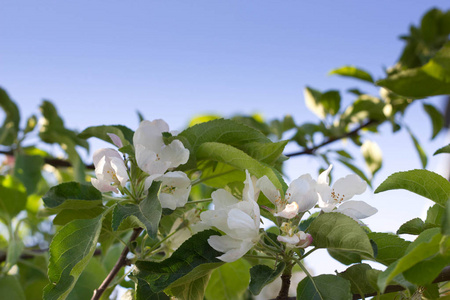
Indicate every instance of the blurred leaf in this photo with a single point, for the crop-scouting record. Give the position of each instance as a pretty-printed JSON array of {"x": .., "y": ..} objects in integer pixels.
[
  {"x": 147, "y": 212},
  {"x": 229, "y": 281},
  {"x": 101, "y": 132},
  {"x": 352, "y": 71},
  {"x": 28, "y": 170},
  {"x": 445, "y": 149},
  {"x": 202, "y": 119},
  {"x": 364, "y": 108},
  {"x": 312, "y": 101},
  {"x": 422, "y": 182},
  {"x": 91, "y": 278},
  {"x": 390, "y": 247},
  {"x": 10, "y": 126},
  {"x": 429, "y": 80},
  {"x": 337, "y": 231},
  {"x": 331, "y": 101},
  {"x": 372, "y": 155},
  {"x": 325, "y": 287},
  {"x": 140, "y": 116},
  {"x": 31, "y": 124},
  {"x": 262, "y": 275},
  {"x": 194, "y": 258},
  {"x": 13, "y": 197},
  {"x": 70, "y": 251},
  {"x": 322, "y": 103},
  {"x": 437, "y": 120},
  {"x": 446, "y": 220},
  {"x": 15, "y": 248},
  {"x": 72, "y": 195},
  {"x": 10, "y": 288}
]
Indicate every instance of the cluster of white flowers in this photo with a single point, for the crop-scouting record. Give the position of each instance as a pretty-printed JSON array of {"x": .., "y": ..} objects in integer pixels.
[{"x": 153, "y": 157}]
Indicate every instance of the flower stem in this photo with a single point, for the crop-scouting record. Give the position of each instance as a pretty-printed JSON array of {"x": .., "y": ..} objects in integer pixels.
[
  {"x": 200, "y": 201},
  {"x": 285, "y": 282}
]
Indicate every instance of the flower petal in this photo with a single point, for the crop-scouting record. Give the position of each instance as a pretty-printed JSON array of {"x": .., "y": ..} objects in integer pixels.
[
  {"x": 268, "y": 189},
  {"x": 349, "y": 186},
  {"x": 233, "y": 248},
  {"x": 175, "y": 153},
  {"x": 115, "y": 139},
  {"x": 241, "y": 225},
  {"x": 356, "y": 209},
  {"x": 175, "y": 189},
  {"x": 149, "y": 134},
  {"x": 222, "y": 198},
  {"x": 289, "y": 212},
  {"x": 323, "y": 177},
  {"x": 104, "y": 152}
]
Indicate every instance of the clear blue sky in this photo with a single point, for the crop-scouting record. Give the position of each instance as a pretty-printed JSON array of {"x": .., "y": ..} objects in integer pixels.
[{"x": 99, "y": 61}]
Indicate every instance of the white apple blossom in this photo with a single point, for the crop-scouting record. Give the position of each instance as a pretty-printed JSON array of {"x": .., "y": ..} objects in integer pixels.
[
  {"x": 239, "y": 220},
  {"x": 152, "y": 155},
  {"x": 300, "y": 196},
  {"x": 110, "y": 170},
  {"x": 175, "y": 189},
  {"x": 341, "y": 191}
]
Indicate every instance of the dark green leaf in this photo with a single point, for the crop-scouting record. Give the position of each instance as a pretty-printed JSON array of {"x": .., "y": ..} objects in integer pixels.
[
  {"x": 28, "y": 170},
  {"x": 72, "y": 195},
  {"x": 437, "y": 120},
  {"x": 419, "y": 149},
  {"x": 124, "y": 133},
  {"x": 390, "y": 247},
  {"x": 193, "y": 290},
  {"x": 304, "y": 224},
  {"x": 13, "y": 197},
  {"x": 445, "y": 149},
  {"x": 345, "y": 257},
  {"x": 357, "y": 275},
  {"x": 414, "y": 226},
  {"x": 147, "y": 212},
  {"x": 324, "y": 287},
  {"x": 229, "y": 281},
  {"x": 446, "y": 219},
  {"x": 70, "y": 251},
  {"x": 422, "y": 182},
  {"x": 262, "y": 275},
  {"x": 194, "y": 258},
  {"x": 338, "y": 231},
  {"x": 352, "y": 71},
  {"x": 10, "y": 126},
  {"x": 331, "y": 101},
  {"x": 144, "y": 292}
]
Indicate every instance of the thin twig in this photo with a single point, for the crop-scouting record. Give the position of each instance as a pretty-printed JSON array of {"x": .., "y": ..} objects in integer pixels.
[
  {"x": 55, "y": 162},
  {"x": 32, "y": 253},
  {"x": 331, "y": 140},
  {"x": 121, "y": 262}
]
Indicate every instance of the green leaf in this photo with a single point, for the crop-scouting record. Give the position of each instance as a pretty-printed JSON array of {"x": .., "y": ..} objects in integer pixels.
[
  {"x": 419, "y": 149},
  {"x": 434, "y": 215},
  {"x": 70, "y": 251},
  {"x": 194, "y": 258},
  {"x": 446, "y": 220},
  {"x": 437, "y": 120},
  {"x": 262, "y": 275},
  {"x": 445, "y": 149},
  {"x": 429, "y": 80},
  {"x": 345, "y": 257},
  {"x": 229, "y": 281},
  {"x": 13, "y": 197},
  {"x": 27, "y": 169},
  {"x": 240, "y": 160},
  {"x": 364, "y": 108},
  {"x": 331, "y": 101},
  {"x": 414, "y": 226},
  {"x": 338, "y": 231},
  {"x": 359, "y": 281},
  {"x": 67, "y": 215},
  {"x": 352, "y": 71},
  {"x": 10, "y": 126},
  {"x": 324, "y": 287},
  {"x": 147, "y": 212},
  {"x": 422, "y": 182},
  {"x": 390, "y": 247},
  {"x": 194, "y": 290},
  {"x": 10, "y": 288},
  {"x": 265, "y": 152},
  {"x": 144, "y": 292},
  {"x": 91, "y": 278},
  {"x": 304, "y": 224},
  {"x": 101, "y": 132},
  {"x": 425, "y": 246},
  {"x": 322, "y": 103},
  {"x": 72, "y": 195},
  {"x": 372, "y": 155},
  {"x": 15, "y": 248}
]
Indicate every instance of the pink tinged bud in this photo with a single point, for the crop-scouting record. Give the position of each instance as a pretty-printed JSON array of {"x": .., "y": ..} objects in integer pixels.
[
  {"x": 116, "y": 140},
  {"x": 305, "y": 239}
]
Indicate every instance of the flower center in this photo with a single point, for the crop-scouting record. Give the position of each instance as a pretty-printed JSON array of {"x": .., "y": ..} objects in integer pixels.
[
  {"x": 168, "y": 189},
  {"x": 337, "y": 197}
]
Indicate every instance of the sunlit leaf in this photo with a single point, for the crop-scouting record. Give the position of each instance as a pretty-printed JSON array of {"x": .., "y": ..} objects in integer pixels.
[
  {"x": 372, "y": 155},
  {"x": 13, "y": 197},
  {"x": 352, "y": 71}
]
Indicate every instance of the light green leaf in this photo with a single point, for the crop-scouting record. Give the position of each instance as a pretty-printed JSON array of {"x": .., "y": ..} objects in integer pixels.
[
  {"x": 446, "y": 219},
  {"x": 429, "y": 80},
  {"x": 445, "y": 149},
  {"x": 265, "y": 152},
  {"x": 72, "y": 195},
  {"x": 10, "y": 288},
  {"x": 390, "y": 247},
  {"x": 27, "y": 169},
  {"x": 338, "y": 231},
  {"x": 124, "y": 133},
  {"x": 240, "y": 160},
  {"x": 70, "y": 251},
  {"x": 322, "y": 103},
  {"x": 419, "y": 149},
  {"x": 10, "y": 126},
  {"x": 372, "y": 155},
  {"x": 425, "y": 246},
  {"x": 262, "y": 275},
  {"x": 194, "y": 258},
  {"x": 13, "y": 197},
  {"x": 359, "y": 281},
  {"x": 437, "y": 120},
  {"x": 194, "y": 290},
  {"x": 229, "y": 281},
  {"x": 422, "y": 182},
  {"x": 147, "y": 212},
  {"x": 434, "y": 215},
  {"x": 15, "y": 248},
  {"x": 352, "y": 71},
  {"x": 324, "y": 287},
  {"x": 67, "y": 215}
]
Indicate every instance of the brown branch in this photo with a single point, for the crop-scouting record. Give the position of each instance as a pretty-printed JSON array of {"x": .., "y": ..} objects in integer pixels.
[
  {"x": 34, "y": 252},
  {"x": 55, "y": 162},
  {"x": 311, "y": 150},
  {"x": 121, "y": 262},
  {"x": 285, "y": 283}
]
